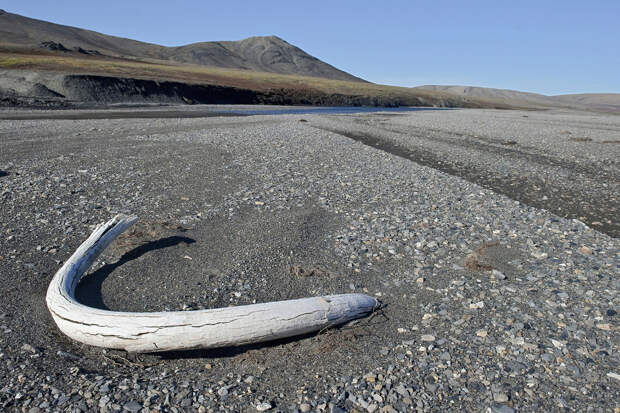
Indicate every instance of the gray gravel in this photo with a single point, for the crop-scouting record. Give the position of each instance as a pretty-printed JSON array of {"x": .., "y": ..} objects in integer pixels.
[
  {"x": 567, "y": 163},
  {"x": 492, "y": 304}
]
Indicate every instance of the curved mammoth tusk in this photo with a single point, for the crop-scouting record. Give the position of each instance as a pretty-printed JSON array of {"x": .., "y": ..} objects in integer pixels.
[{"x": 181, "y": 330}]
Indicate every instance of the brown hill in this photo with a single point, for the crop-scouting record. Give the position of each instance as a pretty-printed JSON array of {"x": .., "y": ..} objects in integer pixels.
[
  {"x": 502, "y": 95},
  {"x": 607, "y": 102},
  {"x": 265, "y": 54},
  {"x": 601, "y": 101}
]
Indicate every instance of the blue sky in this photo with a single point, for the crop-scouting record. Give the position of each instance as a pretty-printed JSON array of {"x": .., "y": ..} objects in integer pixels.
[{"x": 550, "y": 47}]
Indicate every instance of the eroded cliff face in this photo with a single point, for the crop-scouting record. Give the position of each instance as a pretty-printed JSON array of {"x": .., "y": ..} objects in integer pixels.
[{"x": 54, "y": 89}]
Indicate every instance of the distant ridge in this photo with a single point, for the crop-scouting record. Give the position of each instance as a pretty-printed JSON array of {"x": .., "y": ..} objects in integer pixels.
[
  {"x": 609, "y": 102},
  {"x": 599, "y": 101},
  {"x": 265, "y": 54},
  {"x": 503, "y": 95}
]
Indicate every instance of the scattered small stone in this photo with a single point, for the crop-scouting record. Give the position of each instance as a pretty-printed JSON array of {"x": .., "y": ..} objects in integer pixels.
[
  {"x": 370, "y": 378},
  {"x": 557, "y": 344},
  {"x": 498, "y": 274},
  {"x": 547, "y": 357},
  {"x": 585, "y": 250},
  {"x": 481, "y": 333},
  {"x": 613, "y": 375},
  {"x": 27, "y": 347},
  {"x": 428, "y": 337},
  {"x": 502, "y": 408},
  {"x": 66, "y": 355},
  {"x": 264, "y": 406},
  {"x": 132, "y": 406}
]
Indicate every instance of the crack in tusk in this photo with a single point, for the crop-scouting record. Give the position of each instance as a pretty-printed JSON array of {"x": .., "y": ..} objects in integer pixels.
[
  {"x": 304, "y": 314},
  {"x": 111, "y": 335}
]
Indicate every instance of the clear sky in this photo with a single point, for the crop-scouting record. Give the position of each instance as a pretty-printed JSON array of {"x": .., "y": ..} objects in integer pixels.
[{"x": 549, "y": 47}]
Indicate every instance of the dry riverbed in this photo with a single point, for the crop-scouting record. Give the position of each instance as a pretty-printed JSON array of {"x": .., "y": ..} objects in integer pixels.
[{"x": 490, "y": 236}]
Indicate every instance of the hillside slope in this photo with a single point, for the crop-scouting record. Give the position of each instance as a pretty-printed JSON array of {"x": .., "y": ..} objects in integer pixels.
[
  {"x": 606, "y": 102},
  {"x": 601, "y": 101},
  {"x": 503, "y": 95},
  {"x": 265, "y": 54}
]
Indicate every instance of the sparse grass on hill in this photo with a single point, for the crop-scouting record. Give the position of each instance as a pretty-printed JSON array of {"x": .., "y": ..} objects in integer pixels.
[{"x": 258, "y": 81}]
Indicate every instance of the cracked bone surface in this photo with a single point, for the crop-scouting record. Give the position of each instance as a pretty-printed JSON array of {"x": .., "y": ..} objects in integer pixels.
[{"x": 182, "y": 330}]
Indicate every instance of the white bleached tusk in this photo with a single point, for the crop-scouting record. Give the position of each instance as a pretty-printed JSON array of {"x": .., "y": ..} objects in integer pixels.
[{"x": 182, "y": 330}]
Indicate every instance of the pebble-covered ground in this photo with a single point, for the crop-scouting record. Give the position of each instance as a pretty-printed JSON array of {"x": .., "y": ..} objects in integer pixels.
[{"x": 492, "y": 304}]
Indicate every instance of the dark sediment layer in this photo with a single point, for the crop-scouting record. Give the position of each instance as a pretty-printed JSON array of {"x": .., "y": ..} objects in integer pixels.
[{"x": 79, "y": 90}]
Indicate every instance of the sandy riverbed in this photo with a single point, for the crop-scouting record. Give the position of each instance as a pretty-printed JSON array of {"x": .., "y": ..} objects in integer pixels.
[{"x": 455, "y": 219}]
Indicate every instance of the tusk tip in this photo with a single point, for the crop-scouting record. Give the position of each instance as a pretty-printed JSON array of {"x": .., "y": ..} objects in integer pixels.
[{"x": 123, "y": 218}]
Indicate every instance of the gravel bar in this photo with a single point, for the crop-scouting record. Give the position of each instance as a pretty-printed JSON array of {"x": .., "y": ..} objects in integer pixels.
[{"x": 490, "y": 236}]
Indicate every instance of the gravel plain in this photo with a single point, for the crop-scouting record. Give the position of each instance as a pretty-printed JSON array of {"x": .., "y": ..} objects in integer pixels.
[{"x": 490, "y": 236}]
